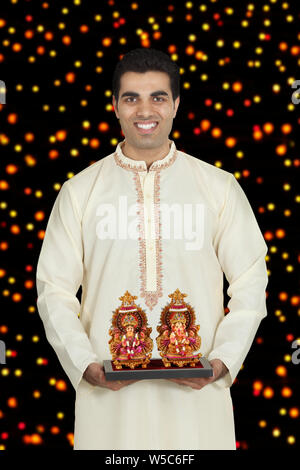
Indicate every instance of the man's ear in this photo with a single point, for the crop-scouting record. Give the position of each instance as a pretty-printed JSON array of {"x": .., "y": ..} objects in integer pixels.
[
  {"x": 115, "y": 105},
  {"x": 176, "y": 104}
]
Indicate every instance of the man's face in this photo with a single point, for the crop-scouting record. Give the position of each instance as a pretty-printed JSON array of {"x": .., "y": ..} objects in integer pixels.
[{"x": 145, "y": 98}]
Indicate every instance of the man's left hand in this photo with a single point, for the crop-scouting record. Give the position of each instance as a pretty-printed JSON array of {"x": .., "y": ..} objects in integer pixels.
[{"x": 219, "y": 370}]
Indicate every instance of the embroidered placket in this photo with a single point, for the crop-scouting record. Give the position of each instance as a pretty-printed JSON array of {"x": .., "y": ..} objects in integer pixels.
[
  {"x": 147, "y": 184},
  {"x": 150, "y": 248}
]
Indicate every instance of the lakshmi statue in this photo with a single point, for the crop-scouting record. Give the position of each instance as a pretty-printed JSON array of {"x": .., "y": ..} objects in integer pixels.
[
  {"x": 178, "y": 338},
  {"x": 130, "y": 343}
]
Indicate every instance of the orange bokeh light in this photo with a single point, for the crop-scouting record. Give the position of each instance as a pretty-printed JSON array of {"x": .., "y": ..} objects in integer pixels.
[
  {"x": 216, "y": 132},
  {"x": 40, "y": 215},
  {"x": 66, "y": 40},
  {"x": 84, "y": 28},
  {"x": 53, "y": 154},
  {"x": 281, "y": 149},
  {"x": 257, "y": 135},
  {"x": 103, "y": 126},
  {"x": 286, "y": 392},
  {"x": 48, "y": 36},
  {"x": 106, "y": 42},
  {"x": 11, "y": 169},
  {"x": 29, "y": 34},
  {"x": 230, "y": 142},
  {"x": 70, "y": 77},
  {"x": 189, "y": 50},
  {"x": 94, "y": 143},
  {"x": 17, "y": 297},
  {"x": 268, "y": 392},
  {"x": 15, "y": 229},
  {"x": 281, "y": 371},
  {"x": 61, "y": 385},
  {"x": 283, "y": 296},
  {"x": 12, "y": 402},
  {"x": 294, "y": 412},
  {"x": 205, "y": 124},
  {"x": 237, "y": 87},
  {"x": 17, "y": 47},
  {"x": 29, "y": 137},
  {"x": 4, "y": 185},
  {"x": 61, "y": 135},
  {"x": 268, "y": 235},
  {"x": 257, "y": 385},
  {"x": 268, "y": 127},
  {"x": 12, "y": 118},
  {"x": 172, "y": 48}
]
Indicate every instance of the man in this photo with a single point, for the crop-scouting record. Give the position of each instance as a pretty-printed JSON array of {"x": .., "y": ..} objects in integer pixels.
[{"x": 89, "y": 242}]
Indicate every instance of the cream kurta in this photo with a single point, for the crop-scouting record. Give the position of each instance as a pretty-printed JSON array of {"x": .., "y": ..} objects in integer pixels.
[{"x": 118, "y": 198}]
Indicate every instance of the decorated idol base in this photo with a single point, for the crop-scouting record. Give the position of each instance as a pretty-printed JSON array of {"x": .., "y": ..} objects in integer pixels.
[{"x": 156, "y": 369}]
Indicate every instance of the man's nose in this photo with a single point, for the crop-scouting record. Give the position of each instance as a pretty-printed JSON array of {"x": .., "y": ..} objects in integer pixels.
[{"x": 144, "y": 109}]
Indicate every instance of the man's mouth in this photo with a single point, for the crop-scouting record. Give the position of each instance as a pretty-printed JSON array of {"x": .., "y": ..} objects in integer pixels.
[{"x": 146, "y": 127}]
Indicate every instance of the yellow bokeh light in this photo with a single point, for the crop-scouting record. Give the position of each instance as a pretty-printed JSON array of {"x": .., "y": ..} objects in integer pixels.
[{"x": 276, "y": 432}]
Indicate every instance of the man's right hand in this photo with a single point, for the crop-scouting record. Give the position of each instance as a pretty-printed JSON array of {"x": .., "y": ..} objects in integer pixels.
[{"x": 94, "y": 375}]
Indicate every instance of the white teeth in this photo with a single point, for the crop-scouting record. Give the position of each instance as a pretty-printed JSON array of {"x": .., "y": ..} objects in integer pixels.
[{"x": 146, "y": 126}]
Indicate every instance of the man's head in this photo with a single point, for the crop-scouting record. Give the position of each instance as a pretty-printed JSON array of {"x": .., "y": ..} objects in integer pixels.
[{"x": 146, "y": 85}]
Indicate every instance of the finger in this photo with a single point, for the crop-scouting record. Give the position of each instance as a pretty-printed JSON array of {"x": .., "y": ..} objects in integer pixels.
[
  {"x": 116, "y": 385},
  {"x": 193, "y": 383},
  {"x": 125, "y": 383},
  {"x": 180, "y": 381}
]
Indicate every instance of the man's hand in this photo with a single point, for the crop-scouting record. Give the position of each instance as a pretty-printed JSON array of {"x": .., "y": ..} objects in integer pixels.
[
  {"x": 219, "y": 370},
  {"x": 94, "y": 375}
]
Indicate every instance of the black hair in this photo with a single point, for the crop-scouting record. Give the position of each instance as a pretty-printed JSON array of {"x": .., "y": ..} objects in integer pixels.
[{"x": 142, "y": 60}]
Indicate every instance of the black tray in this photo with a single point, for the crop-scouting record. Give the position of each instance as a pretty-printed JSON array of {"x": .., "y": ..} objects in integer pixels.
[{"x": 156, "y": 370}]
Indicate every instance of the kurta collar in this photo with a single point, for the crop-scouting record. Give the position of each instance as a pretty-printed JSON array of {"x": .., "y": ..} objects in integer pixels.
[{"x": 140, "y": 165}]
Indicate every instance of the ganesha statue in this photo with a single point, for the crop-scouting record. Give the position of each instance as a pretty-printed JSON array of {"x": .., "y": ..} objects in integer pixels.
[
  {"x": 178, "y": 335},
  {"x": 130, "y": 343}
]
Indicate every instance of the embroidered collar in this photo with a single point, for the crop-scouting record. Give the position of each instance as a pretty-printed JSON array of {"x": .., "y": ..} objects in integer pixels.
[{"x": 140, "y": 165}]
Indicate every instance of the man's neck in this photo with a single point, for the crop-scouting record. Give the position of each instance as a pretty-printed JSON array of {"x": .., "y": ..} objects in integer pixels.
[{"x": 147, "y": 155}]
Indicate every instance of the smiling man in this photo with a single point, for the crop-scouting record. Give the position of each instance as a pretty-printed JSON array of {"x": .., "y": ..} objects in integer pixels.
[
  {"x": 149, "y": 171},
  {"x": 146, "y": 111}
]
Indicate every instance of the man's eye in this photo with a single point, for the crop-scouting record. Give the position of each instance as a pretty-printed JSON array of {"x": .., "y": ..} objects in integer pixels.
[{"x": 155, "y": 98}]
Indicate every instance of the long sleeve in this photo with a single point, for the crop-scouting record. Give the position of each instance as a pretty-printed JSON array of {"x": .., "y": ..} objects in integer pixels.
[
  {"x": 241, "y": 251},
  {"x": 58, "y": 278}
]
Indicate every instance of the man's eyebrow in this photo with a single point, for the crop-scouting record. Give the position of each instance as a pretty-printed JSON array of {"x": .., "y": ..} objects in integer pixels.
[{"x": 154, "y": 93}]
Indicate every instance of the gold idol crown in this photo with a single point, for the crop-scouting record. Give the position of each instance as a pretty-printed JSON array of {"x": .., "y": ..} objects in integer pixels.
[
  {"x": 130, "y": 320},
  {"x": 177, "y": 305},
  {"x": 177, "y": 297},
  {"x": 128, "y": 301},
  {"x": 178, "y": 317},
  {"x": 128, "y": 307}
]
